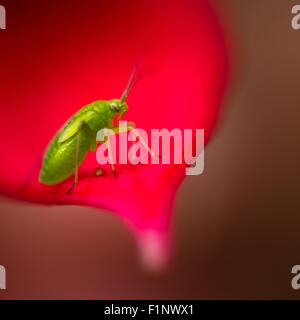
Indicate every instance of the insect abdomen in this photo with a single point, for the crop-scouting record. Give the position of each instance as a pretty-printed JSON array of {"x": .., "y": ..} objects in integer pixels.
[{"x": 60, "y": 159}]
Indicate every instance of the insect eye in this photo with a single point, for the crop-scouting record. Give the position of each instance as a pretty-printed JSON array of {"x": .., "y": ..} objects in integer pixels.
[{"x": 114, "y": 107}]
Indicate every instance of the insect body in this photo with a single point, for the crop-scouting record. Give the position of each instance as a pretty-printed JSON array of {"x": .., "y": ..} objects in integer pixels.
[
  {"x": 78, "y": 132},
  {"x": 70, "y": 145}
]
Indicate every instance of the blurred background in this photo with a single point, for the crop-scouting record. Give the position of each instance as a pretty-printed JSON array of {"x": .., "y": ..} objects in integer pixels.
[{"x": 236, "y": 227}]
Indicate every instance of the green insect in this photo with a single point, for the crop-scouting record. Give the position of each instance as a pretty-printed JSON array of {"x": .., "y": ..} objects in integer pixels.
[{"x": 77, "y": 137}]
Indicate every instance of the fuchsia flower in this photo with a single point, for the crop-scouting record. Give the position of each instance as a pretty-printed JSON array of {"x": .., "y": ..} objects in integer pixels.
[{"x": 60, "y": 56}]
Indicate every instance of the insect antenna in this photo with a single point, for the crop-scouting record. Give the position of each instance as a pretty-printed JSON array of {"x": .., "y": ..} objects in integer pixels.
[
  {"x": 129, "y": 85},
  {"x": 133, "y": 84}
]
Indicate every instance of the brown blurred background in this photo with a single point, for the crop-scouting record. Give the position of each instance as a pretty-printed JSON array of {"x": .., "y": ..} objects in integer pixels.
[{"x": 236, "y": 227}]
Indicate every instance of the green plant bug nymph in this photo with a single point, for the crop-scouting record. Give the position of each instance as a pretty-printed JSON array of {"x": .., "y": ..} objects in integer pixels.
[{"x": 77, "y": 137}]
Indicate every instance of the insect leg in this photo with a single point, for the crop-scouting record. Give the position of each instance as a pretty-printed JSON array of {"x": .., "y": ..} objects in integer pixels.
[
  {"x": 106, "y": 139},
  {"x": 111, "y": 158},
  {"x": 83, "y": 127},
  {"x": 76, "y": 161},
  {"x": 131, "y": 127},
  {"x": 135, "y": 132},
  {"x": 134, "y": 150}
]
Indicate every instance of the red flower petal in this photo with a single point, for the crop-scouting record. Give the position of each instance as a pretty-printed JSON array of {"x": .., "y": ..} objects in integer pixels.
[{"x": 58, "y": 57}]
